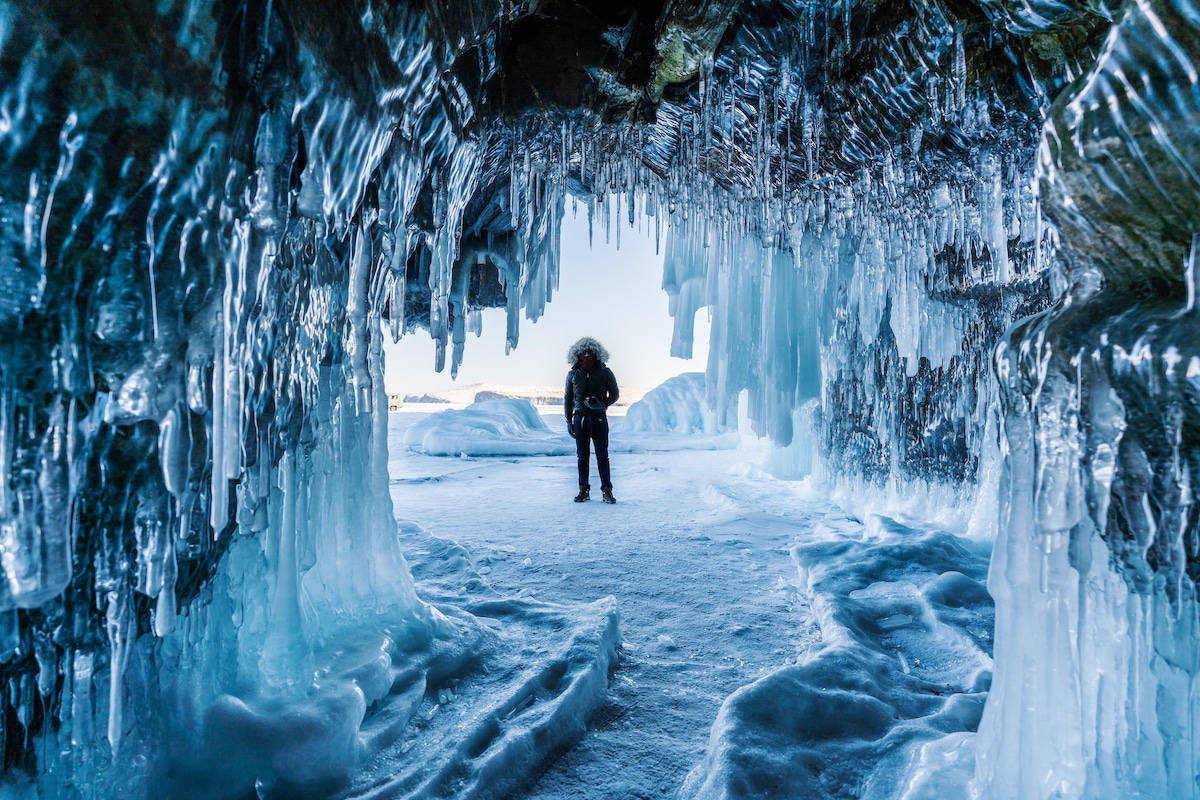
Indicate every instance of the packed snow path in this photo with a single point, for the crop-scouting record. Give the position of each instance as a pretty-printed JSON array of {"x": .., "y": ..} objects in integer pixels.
[{"x": 698, "y": 553}]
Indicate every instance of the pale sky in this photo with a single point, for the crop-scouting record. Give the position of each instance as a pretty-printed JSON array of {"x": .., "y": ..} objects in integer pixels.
[{"x": 613, "y": 295}]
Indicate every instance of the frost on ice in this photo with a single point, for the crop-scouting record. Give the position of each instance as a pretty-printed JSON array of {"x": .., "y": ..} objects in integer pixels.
[{"x": 212, "y": 212}]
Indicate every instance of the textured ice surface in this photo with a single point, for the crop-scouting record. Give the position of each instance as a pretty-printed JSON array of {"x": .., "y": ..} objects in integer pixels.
[
  {"x": 490, "y": 716},
  {"x": 903, "y": 658},
  {"x": 210, "y": 214}
]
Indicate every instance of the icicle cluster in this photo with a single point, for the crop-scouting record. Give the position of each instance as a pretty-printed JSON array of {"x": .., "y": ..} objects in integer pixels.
[
  {"x": 866, "y": 247},
  {"x": 211, "y": 212},
  {"x": 198, "y": 262},
  {"x": 1095, "y": 566}
]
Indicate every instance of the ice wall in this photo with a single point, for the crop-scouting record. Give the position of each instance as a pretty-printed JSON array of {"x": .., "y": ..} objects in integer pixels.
[
  {"x": 1095, "y": 567},
  {"x": 210, "y": 213},
  {"x": 879, "y": 264}
]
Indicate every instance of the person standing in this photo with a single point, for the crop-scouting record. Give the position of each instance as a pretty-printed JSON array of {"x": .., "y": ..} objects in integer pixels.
[{"x": 591, "y": 389}]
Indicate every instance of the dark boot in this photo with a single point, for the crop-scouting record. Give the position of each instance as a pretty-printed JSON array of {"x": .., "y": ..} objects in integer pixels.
[
  {"x": 584, "y": 494},
  {"x": 608, "y": 496}
]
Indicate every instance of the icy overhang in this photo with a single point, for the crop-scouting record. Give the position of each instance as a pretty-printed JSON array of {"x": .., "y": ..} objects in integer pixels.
[{"x": 210, "y": 210}]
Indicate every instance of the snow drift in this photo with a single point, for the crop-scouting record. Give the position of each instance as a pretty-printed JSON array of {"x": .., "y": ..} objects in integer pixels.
[
  {"x": 509, "y": 427},
  {"x": 902, "y": 661},
  {"x": 678, "y": 405}
]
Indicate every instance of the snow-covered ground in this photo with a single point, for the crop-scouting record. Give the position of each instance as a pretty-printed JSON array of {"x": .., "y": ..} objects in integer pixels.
[{"x": 771, "y": 645}]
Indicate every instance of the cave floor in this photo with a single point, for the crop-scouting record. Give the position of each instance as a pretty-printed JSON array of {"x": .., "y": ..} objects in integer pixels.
[{"x": 696, "y": 552}]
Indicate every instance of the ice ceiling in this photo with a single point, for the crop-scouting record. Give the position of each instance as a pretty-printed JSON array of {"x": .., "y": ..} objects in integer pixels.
[{"x": 212, "y": 212}]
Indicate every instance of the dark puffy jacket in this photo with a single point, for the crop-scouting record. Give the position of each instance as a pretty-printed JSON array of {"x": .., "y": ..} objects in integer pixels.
[{"x": 598, "y": 382}]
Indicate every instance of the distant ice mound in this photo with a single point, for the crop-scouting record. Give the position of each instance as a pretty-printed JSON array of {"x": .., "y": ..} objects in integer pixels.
[
  {"x": 509, "y": 427},
  {"x": 678, "y": 405}
]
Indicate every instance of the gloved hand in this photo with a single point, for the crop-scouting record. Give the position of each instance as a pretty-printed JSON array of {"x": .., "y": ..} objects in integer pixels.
[{"x": 571, "y": 428}]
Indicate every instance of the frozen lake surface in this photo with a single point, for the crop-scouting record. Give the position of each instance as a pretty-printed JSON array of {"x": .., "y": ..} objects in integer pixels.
[{"x": 869, "y": 640}]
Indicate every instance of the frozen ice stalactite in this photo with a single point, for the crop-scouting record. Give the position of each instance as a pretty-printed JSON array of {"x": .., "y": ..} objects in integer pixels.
[
  {"x": 866, "y": 278},
  {"x": 513, "y": 232},
  {"x": 877, "y": 277},
  {"x": 195, "y": 275},
  {"x": 1096, "y": 560},
  {"x": 193, "y": 499},
  {"x": 1093, "y": 571}
]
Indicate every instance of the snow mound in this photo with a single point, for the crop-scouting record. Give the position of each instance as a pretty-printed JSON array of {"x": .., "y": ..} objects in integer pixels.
[
  {"x": 892, "y": 692},
  {"x": 470, "y": 393},
  {"x": 482, "y": 714},
  {"x": 678, "y": 405},
  {"x": 508, "y": 427}
]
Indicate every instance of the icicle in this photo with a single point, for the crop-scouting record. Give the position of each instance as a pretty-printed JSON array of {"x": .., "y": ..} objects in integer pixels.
[
  {"x": 284, "y": 645},
  {"x": 174, "y": 446},
  {"x": 617, "y": 218},
  {"x": 82, "y": 715},
  {"x": 56, "y": 497},
  {"x": 1190, "y": 272},
  {"x": 46, "y": 653},
  {"x": 563, "y": 152},
  {"x": 356, "y": 313},
  {"x": 121, "y": 634},
  {"x": 219, "y": 511},
  {"x": 69, "y": 144},
  {"x": 960, "y": 70},
  {"x": 164, "y": 609},
  {"x": 846, "y": 8},
  {"x": 152, "y": 533}
]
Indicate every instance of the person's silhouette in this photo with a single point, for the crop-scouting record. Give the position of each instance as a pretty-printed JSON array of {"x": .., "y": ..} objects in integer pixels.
[{"x": 591, "y": 389}]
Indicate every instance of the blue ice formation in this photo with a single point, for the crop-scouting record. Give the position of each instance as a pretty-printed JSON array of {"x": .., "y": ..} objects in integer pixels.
[{"x": 212, "y": 212}]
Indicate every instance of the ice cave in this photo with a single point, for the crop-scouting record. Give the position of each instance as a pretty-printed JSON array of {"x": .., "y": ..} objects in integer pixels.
[{"x": 949, "y": 251}]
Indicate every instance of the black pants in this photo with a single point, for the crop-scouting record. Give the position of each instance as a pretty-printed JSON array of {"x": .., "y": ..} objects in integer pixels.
[{"x": 593, "y": 430}]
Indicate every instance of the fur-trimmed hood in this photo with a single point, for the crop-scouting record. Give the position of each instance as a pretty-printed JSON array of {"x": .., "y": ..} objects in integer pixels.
[{"x": 586, "y": 343}]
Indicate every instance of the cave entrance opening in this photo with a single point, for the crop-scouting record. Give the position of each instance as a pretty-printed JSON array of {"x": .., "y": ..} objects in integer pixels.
[{"x": 609, "y": 287}]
